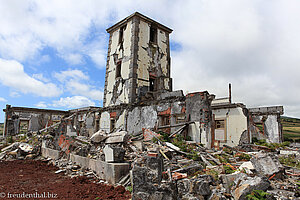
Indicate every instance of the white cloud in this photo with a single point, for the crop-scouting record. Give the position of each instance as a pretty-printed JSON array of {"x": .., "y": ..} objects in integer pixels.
[
  {"x": 30, "y": 26},
  {"x": 13, "y": 76},
  {"x": 40, "y": 77},
  {"x": 41, "y": 104},
  {"x": 73, "y": 58},
  {"x": 252, "y": 44},
  {"x": 73, "y": 102},
  {"x": 14, "y": 94},
  {"x": 2, "y": 99},
  {"x": 71, "y": 74},
  {"x": 76, "y": 82}
]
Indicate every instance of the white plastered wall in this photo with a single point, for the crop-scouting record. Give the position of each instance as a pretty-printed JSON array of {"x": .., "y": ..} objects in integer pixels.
[{"x": 236, "y": 124}]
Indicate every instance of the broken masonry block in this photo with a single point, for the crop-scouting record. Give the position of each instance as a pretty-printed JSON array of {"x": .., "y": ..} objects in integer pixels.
[
  {"x": 114, "y": 154},
  {"x": 246, "y": 185},
  {"x": 267, "y": 165},
  {"x": 117, "y": 137},
  {"x": 25, "y": 148},
  {"x": 99, "y": 136},
  {"x": 148, "y": 134}
]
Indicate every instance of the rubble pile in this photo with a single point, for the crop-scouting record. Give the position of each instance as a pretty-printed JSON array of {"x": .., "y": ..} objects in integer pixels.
[{"x": 166, "y": 166}]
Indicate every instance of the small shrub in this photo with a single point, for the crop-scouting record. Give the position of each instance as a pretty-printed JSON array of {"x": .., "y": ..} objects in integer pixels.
[
  {"x": 129, "y": 188},
  {"x": 179, "y": 142},
  {"x": 194, "y": 155},
  {"x": 290, "y": 160},
  {"x": 223, "y": 158},
  {"x": 257, "y": 195},
  {"x": 10, "y": 139},
  {"x": 244, "y": 156},
  {"x": 228, "y": 170},
  {"x": 213, "y": 173},
  {"x": 227, "y": 150}
]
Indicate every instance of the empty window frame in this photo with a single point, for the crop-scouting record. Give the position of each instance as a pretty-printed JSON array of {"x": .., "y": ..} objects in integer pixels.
[
  {"x": 112, "y": 124},
  {"x": 153, "y": 34},
  {"x": 118, "y": 69},
  {"x": 165, "y": 120},
  {"x": 180, "y": 119},
  {"x": 151, "y": 84},
  {"x": 121, "y": 34},
  {"x": 220, "y": 130}
]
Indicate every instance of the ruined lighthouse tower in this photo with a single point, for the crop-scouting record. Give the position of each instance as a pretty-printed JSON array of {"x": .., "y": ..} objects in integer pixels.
[{"x": 138, "y": 61}]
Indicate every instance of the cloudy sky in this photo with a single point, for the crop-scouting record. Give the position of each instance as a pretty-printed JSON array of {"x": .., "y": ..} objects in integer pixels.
[{"x": 52, "y": 53}]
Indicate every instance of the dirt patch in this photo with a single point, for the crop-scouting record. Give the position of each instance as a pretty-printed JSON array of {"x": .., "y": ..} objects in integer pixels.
[{"x": 36, "y": 177}]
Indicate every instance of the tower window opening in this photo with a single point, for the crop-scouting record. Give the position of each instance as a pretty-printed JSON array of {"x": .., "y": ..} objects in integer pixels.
[
  {"x": 151, "y": 84},
  {"x": 121, "y": 34},
  {"x": 153, "y": 34},
  {"x": 118, "y": 70}
]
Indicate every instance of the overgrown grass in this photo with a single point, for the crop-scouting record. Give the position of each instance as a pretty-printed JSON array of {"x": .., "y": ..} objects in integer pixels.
[
  {"x": 1, "y": 128},
  {"x": 257, "y": 195},
  {"x": 228, "y": 170},
  {"x": 272, "y": 146},
  {"x": 290, "y": 160},
  {"x": 291, "y": 129}
]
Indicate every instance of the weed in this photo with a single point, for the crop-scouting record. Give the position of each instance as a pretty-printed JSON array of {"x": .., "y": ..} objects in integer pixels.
[
  {"x": 10, "y": 139},
  {"x": 272, "y": 146},
  {"x": 228, "y": 169},
  {"x": 129, "y": 188},
  {"x": 213, "y": 173},
  {"x": 244, "y": 157},
  {"x": 180, "y": 142},
  {"x": 257, "y": 195},
  {"x": 194, "y": 155},
  {"x": 223, "y": 158},
  {"x": 290, "y": 160},
  {"x": 227, "y": 150}
]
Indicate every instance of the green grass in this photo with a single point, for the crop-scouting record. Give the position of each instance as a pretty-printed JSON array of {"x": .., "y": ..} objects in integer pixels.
[
  {"x": 1, "y": 128},
  {"x": 291, "y": 129}
]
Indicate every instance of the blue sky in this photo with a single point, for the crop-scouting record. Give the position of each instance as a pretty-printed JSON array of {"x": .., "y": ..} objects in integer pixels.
[{"x": 53, "y": 53}]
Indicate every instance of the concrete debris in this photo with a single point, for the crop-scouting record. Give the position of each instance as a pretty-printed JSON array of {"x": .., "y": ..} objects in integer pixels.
[
  {"x": 114, "y": 154},
  {"x": 246, "y": 185},
  {"x": 266, "y": 165},
  {"x": 25, "y": 148},
  {"x": 117, "y": 137},
  {"x": 99, "y": 136},
  {"x": 164, "y": 167},
  {"x": 248, "y": 167}
]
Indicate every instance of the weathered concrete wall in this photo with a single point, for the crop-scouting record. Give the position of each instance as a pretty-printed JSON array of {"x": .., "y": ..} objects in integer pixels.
[
  {"x": 35, "y": 119},
  {"x": 153, "y": 58},
  {"x": 141, "y": 117},
  {"x": 235, "y": 124},
  {"x": 117, "y": 88},
  {"x": 50, "y": 153},
  {"x": 272, "y": 129},
  {"x": 105, "y": 122},
  {"x": 269, "y": 119},
  {"x": 198, "y": 109},
  {"x": 131, "y": 51},
  {"x": 111, "y": 172}
]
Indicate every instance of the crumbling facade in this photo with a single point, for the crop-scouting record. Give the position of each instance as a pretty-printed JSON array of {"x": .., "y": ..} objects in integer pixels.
[
  {"x": 21, "y": 119},
  {"x": 264, "y": 123},
  {"x": 138, "y": 61},
  {"x": 230, "y": 123}
]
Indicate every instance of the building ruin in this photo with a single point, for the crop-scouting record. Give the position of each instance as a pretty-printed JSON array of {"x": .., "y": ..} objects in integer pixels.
[{"x": 138, "y": 95}]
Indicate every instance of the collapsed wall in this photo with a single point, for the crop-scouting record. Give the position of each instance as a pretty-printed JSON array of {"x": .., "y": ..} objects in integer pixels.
[
  {"x": 190, "y": 113},
  {"x": 22, "y": 119},
  {"x": 264, "y": 123}
]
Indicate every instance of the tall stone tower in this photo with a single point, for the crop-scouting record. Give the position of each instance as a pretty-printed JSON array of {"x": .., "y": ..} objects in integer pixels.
[{"x": 138, "y": 61}]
